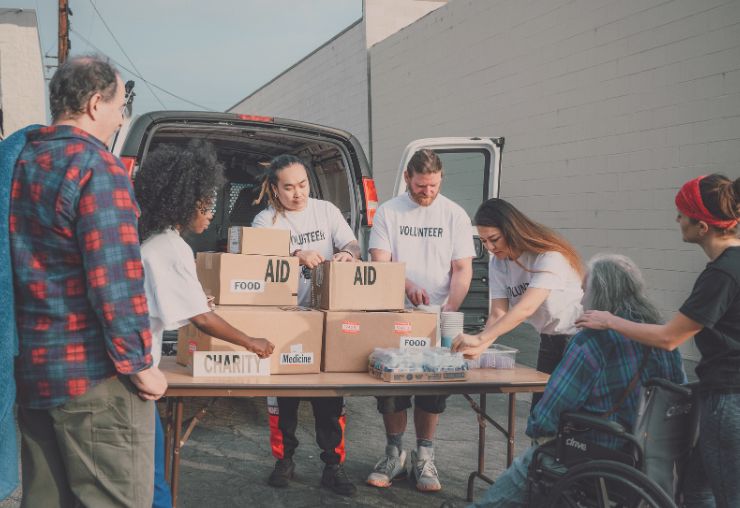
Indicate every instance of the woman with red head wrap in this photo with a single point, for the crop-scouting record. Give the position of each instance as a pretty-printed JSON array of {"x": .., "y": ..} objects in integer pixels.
[{"x": 708, "y": 213}]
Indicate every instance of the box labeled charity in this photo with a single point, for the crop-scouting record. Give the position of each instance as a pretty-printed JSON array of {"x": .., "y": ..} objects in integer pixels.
[
  {"x": 350, "y": 336},
  {"x": 258, "y": 241},
  {"x": 358, "y": 286},
  {"x": 295, "y": 331},
  {"x": 228, "y": 364},
  {"x": 233, "y": 279}
]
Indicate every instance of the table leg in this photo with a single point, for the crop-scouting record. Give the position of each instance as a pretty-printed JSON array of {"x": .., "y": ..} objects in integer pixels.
[
  {"x": 176, "y": 449},
  {"x": 168, "y": 437},
  {"x": 511, "y": 434},
  {"x": 482, "y": 417}
]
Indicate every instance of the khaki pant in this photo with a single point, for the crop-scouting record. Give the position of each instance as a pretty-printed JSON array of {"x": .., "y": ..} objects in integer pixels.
[{"x": 96, "y": 450}]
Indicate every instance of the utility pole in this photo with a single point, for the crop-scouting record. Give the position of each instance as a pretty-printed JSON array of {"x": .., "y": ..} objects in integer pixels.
[{"x": 63, "y": 44}]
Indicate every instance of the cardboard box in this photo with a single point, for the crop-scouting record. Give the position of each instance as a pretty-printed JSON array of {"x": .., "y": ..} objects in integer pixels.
[
  {"x": 415, "y": 377},
  {"x": 295, "y": 331},
  {"x": 350, "y": 337},
  {"x": 259, "y": 241},
  {"x": 358, "y": 286},
  {"x": 233, "y": 279}
]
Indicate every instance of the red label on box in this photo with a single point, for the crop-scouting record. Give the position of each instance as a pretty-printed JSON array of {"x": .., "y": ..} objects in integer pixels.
[
  {"x": 401, "y": 327},
  {"x": 350, "y": 327},
  {"x": 192, "y": 347}
]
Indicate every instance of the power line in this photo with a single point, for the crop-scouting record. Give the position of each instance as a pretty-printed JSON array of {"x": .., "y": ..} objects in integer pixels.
[
  {"x": 124, "y": 52},
  {"x": 137, "y": 75}
]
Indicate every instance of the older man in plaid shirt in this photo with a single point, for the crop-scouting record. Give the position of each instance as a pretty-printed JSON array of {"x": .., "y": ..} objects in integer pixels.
[{"x": 84, "y": 375}]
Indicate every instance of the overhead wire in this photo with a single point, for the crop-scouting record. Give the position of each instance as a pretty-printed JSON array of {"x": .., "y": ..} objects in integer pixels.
[
  {"x": 138, "y": 75},
  {"x": 124, "y": 52}
]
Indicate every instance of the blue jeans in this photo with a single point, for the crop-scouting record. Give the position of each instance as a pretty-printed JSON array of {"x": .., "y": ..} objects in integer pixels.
[
  {"x": 719, "y": 457},
  {"x": 510, "y": 489},
  {"x": 162, "y": 494}
]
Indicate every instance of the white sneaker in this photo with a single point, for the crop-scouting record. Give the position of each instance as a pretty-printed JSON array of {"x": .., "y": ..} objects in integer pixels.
[
  {"x": 388, "y": 468},
  {"x": 423, "y": 471}
]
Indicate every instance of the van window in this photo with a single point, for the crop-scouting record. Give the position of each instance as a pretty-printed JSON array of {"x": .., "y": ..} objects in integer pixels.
[
  {"x": 465, "y": 177},
  {"x": 331, "y": 177}
]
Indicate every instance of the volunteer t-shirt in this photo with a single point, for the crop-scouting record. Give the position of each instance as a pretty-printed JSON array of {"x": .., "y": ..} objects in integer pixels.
[
  {"x": 715, "y": 304},
  {"x": 319, "y": 227},
  {"x": 173, "y": 291},
  {"x": 426, "y": 238},
  {"x": 550, "y": 270}
]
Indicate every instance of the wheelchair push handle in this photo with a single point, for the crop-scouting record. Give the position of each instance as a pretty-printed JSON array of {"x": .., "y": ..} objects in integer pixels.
[{"x": 684, "y": 390}]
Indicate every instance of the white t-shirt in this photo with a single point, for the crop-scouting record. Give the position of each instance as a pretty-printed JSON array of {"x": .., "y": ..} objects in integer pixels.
[
  {"x": 173, "y": 291},
  {"x": 550, "y": 270},
  {"x": 319, "y": 227},
  {"x": 426, "y": 238}
]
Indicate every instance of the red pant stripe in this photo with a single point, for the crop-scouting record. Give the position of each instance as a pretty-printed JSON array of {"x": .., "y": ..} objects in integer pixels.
[
  {"x": 276, "y": 437},
  {"x": 340, "y": 449}
]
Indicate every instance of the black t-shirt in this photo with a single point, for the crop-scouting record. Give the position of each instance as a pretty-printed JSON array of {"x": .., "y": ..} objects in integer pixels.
[{"x": 715, "y": 304}]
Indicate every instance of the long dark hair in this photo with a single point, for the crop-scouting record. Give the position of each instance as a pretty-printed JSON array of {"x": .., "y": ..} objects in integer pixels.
[
  {"x": 522, "y": 234},
  {"x": 174, "y": 183},
  {"x": 721, "y": 196},
  {"x": 276, "y": 165}
]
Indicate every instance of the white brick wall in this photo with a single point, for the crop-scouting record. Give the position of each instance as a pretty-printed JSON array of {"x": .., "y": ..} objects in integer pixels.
[
  {"x": 329, "y": 87},
  {"x": 607, "y": 106},
  {"x": 21, "y": 72}
]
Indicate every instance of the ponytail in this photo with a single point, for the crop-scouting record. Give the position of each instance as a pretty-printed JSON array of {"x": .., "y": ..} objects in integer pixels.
[{"x": 276, "y": 165}]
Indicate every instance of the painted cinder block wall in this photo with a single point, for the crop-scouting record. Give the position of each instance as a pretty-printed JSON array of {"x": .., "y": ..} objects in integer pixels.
[{"x": 607, "y": 107}]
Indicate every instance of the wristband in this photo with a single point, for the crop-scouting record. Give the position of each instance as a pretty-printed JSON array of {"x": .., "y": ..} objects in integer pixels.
[{"x": 348, "y": 252}]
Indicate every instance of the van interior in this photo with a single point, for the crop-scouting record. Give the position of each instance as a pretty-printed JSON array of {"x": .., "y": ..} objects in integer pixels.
[{"x": 245, "y": 154}]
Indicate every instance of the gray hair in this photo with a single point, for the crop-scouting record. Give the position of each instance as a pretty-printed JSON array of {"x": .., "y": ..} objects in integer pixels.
[
  {"x": 78, "y": 79},
  {"x": 614, "y": 283}
]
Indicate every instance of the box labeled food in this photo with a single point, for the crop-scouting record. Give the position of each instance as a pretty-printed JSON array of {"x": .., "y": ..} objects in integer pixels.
[
  {"x": 295, "y": 331},
  {"x": 259, "y": 241},
  {"x": 358, "y": 286},
  {"x": 350, "y": 336},
  {"x": 228, "y": 364},
  {"x": 233, "y": 279}
]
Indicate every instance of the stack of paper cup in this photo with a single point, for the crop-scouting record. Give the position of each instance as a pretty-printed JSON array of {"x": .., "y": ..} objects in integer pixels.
[{"x": 450, "y": 325}]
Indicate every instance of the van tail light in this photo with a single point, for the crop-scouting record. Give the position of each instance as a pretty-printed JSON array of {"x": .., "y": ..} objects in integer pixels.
[
  {"x": 129, "y": 163},
  {"x": 371, "y": 198},
  {"x": 255, "y": 118}
]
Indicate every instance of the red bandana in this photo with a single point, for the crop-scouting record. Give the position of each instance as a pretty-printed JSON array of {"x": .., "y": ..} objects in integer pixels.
[{"x": 689, "y": 203}]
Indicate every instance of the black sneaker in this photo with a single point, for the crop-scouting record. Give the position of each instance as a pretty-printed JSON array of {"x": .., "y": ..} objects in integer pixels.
[
  {"x": 335, "y": 478},
  {"x": 282, "y": 474}
]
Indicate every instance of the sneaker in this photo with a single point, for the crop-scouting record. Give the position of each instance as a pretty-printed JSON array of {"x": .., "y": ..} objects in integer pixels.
[
  {"x": 335, "y": 478},
  {"x": 423, "y": 471},
  {"x": 389, "y": 468},
  {"x": 282, "y": 474}
]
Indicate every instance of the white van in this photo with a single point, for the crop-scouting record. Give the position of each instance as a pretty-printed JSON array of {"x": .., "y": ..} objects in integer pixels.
[{"x": 340, "y": 173}]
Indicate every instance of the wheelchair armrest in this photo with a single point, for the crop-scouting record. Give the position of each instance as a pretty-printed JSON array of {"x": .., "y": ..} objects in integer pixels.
[
  {"x": 593, "y": 422},
  {"x": 668, "y": 385}
]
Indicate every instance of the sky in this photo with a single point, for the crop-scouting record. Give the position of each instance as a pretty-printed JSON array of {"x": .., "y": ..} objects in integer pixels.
[{"x": 212, "y": 53}]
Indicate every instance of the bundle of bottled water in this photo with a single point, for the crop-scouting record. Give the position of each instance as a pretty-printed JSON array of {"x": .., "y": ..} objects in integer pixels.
[{"x": 419, "y": 360}]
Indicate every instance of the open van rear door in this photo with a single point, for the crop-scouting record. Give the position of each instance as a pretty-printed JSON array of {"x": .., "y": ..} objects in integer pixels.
[{"x": 472, "y": 172}]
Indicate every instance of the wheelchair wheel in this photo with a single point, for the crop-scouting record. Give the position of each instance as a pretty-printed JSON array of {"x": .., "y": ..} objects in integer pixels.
[{"x": 607, "y": 484}]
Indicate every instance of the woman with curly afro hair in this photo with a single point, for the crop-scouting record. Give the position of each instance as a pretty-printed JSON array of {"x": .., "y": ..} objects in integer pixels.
[{"x": 176, "y": 190}]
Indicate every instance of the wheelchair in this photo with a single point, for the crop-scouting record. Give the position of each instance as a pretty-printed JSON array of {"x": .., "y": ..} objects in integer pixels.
[{"x": 574, "y": 471}]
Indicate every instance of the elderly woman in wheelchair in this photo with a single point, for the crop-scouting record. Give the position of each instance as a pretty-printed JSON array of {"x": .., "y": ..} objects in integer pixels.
[{"x": 585, "y": 454}]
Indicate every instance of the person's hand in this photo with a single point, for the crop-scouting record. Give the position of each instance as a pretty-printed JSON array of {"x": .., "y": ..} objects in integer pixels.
[
  {"x": 343, "y": 256},
  {"x": 416, "y": 294},
  {"x": 471, "y": 346},
  {"x": 151, "y": 383},
  {"x": 310, "y": 258},
  {"x": 447, "y": 308},
  {"x": 595, "y": 319},
  {"x": 261, "y": 347}
]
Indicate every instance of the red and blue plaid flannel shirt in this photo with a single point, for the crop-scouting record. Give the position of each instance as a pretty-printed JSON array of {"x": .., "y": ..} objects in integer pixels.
[{"x": 81, "y": 310}]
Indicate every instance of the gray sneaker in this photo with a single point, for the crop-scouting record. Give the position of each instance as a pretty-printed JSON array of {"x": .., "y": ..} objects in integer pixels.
[
  {"x": 389, "y": 468},
  {"x": 423, "y": 471}
]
